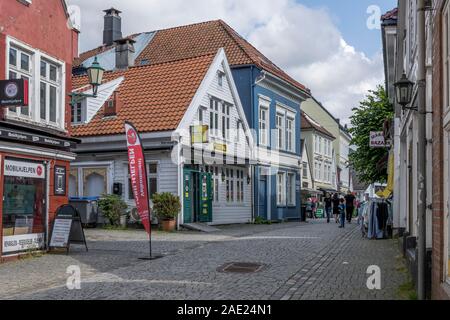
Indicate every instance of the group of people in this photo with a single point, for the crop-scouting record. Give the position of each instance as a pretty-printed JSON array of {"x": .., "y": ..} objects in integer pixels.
[{"x": 342, "y": 208}]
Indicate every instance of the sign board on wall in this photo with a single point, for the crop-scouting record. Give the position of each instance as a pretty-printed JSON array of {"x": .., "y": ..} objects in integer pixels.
[
  {"x": 24, "y": 169},
  {"x": 60, "y": 181},
  {"x": 377, "y": 139},
  {"x": 15, "y": 136},
  {"x": 13, "y": 93},
  {"x": 25, "y": 242}
]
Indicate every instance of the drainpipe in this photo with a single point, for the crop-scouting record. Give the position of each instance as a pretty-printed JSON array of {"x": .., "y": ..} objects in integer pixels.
[{"x": 421, "y": 170}]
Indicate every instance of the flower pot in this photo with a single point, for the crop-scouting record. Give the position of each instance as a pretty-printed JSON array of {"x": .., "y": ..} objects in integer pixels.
[{"x": 168, "y": 225}]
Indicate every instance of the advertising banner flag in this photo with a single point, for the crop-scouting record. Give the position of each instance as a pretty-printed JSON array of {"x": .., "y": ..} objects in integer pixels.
[{"x": 138, "y": 175}]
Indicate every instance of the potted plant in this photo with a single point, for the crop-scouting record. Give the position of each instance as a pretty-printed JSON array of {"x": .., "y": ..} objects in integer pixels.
[
  {"x": 166, "y": 207},
  {"x": 112, "y": 208}
]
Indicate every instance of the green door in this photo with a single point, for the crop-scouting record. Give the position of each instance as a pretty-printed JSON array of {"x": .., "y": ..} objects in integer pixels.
[
  {"x": 188, "y": 196},
  {"x": 205, "y": 189}
]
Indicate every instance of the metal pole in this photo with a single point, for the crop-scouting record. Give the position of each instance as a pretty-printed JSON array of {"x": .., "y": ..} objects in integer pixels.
[{"x": 421, "y": 170}]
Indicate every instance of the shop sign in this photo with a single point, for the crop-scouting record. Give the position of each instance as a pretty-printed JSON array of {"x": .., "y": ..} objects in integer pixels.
[
  {"x": 220, "y": 147},
  {"x": 25, "y": 242},
  {"x": 13, "y": 93},
  {"x": 60, "y": 181},
  {"x": 24, "y": 169},
  {"x": 199, "y": 134},
  {"x": 377, "y": 139},
  {"x": 61, "y": 232},
  {"x": 25, "y": 137}
]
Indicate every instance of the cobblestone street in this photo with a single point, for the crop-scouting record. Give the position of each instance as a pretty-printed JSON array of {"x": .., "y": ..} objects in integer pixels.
[{"x": 302, "y": 261}]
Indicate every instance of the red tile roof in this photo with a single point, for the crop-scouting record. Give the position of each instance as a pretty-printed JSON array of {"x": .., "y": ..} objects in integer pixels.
[
  {"x": 307, "y": 124},
  {"x": 390, "y": 15},
  {"x": 204, "y": 38},
  {"x": 154, "y": 97}
]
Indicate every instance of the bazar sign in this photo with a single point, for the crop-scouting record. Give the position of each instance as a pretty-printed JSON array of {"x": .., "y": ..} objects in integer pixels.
[
  {"x": 377, "y": 139},
  {"x": 24, "y": 169},
  {"x": 25, "y": 137},
  {"x": 13, "y": 244},
  {"x": 13, "y": 93}
]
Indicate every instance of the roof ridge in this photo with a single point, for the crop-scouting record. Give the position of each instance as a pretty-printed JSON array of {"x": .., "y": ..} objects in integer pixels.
[
  {"x": 150, "y": 65},
  {"x": 228, "y": 29}
]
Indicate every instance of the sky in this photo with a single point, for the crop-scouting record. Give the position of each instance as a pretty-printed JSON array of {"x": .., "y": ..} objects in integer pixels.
[{"x": 331, "y": 46}]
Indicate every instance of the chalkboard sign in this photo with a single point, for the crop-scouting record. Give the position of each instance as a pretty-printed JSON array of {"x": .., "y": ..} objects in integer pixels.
[{"x": 67, "y": 229}]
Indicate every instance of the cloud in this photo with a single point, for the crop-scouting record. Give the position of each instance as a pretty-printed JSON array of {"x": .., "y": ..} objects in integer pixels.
[{"x": 305, "y": 42}]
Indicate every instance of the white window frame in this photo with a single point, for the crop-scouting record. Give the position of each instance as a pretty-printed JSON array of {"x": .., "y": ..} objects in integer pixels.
[
  {"x": 281, "y": 189},
  {"x": 20, "y": 73},
  {"x": 446, "y": 54},
  {"x": 280, "y": 125},
  {"x": 290, "y": 131},
  {"x": 129, "y": 198},
  {"x": 264, "y": 137},
  {"x": 34, "y": 85},
  {"x": 291, "y": 189}
]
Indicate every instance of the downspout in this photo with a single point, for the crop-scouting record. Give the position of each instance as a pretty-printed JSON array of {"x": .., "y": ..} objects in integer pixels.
[
  {"x": 421, "y": 170},
  {"x": 252, "y": 168}
]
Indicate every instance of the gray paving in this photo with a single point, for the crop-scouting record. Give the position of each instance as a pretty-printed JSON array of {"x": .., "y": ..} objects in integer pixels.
[{"x": 303, "y": 261}]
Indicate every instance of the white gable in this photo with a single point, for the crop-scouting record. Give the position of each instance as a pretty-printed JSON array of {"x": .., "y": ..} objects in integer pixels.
[{"x": 224, "y": 91}]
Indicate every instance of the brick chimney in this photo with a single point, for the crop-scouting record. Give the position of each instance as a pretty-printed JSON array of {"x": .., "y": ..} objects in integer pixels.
[
  {"x": 125, "y": 53},
  {"x": 112, "y": 30}
]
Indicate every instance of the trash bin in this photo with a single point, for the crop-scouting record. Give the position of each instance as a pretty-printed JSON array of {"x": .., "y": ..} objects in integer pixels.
[{"x": 88, "y": 209}]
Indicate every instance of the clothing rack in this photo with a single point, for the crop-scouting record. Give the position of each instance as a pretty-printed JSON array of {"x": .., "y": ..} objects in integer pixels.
[{"x": 376, "y": 217}]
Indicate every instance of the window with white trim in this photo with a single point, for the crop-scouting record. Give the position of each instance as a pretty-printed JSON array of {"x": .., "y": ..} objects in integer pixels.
[
  {"x": 46, "y": 81},
  {"x": 264, "y": 125},
  {"x": 214, "y": 116},
  {"x": 290, "y": 130},
  {"x": 446, "y": 54},
  {"x": 226, "y": 121},
  {"x": 280, "y": 127},
  {"x": 305, "y": 170},
  {"x": 291, "y": 182},
  {"x": 20, "y": 67},
  {"x": 152, "y": 176},
  {"x": 281, "y": 189}
]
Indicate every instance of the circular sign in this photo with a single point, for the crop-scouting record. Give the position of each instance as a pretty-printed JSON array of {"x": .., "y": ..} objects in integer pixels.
[
  {"x": 39, "y": 171},
  {"x": 131, "y": 136},
  {"x": 11, "y": 90}
]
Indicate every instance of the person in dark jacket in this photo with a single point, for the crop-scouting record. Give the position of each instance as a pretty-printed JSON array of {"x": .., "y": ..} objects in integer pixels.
[
  {"x": 328, "y": 206},
  {"x": 335, "y": 201},
  {"x": 342, "y": 212},
  {"x": 350, "y": 205}
]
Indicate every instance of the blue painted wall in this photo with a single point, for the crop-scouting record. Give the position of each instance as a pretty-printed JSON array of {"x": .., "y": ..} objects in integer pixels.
[{"x": 245, "y": 78}]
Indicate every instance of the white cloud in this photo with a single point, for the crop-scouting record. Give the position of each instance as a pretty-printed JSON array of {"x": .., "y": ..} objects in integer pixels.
[{"x": 303, "y": 41}]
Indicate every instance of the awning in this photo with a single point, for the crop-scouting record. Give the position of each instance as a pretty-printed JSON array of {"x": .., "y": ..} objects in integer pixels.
[{"x": 387, "y": 192}]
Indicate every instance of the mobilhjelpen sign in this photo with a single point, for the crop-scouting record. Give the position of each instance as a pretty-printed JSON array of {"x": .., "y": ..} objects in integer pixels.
[
  {"x": 13, "y": 93},
  {"x": 24, "y": 169}
]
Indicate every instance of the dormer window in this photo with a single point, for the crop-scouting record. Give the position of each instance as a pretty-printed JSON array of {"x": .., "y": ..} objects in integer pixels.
[
  {"x": 111, "y": 105},
  {"x": 77, "y": 114}
]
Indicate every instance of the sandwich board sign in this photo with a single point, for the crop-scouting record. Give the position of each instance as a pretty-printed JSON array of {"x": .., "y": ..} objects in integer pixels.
[{"x": 67, "y": 229}]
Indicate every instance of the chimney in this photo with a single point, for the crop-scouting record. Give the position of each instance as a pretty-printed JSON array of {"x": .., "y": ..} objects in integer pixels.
[
  {"x": 125, "y": 53},
  {"x": 112, "y": 30}
]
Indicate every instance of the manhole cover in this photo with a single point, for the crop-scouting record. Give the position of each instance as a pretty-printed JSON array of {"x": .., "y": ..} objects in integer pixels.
[{"x": 241, "y": 267}]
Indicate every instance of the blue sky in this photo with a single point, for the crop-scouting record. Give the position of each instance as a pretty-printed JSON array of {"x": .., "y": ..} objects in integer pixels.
[{"x": 350, "y": 17}]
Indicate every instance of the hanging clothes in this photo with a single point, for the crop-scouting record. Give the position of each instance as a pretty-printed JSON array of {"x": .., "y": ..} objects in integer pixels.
[{"x": 376, "y": 219}]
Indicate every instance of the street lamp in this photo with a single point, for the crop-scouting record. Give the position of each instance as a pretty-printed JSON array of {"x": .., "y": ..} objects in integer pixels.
[
  {"x": 95, "y": 75},
  {"x": 404, "y": 90}
]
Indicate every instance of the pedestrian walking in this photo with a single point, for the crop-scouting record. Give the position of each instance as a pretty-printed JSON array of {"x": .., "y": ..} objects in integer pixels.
[
  {"x": 314, "y": 208},
  {"x": 342, "y": 211},
  {"x": 350, "y": 205},
  {"x": 328, "y": 206},
  {"x": 309, "y": 211},
  {"x": 336, "y": 203}
]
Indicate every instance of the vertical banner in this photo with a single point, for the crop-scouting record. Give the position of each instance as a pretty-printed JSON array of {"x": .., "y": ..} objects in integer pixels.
[{"x": 138, "y": 174}]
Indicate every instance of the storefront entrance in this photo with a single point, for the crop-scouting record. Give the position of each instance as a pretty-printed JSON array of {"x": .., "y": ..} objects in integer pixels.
[
  {"x": 197, "y": 196},
  {"x": 24, "y": 206}
]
